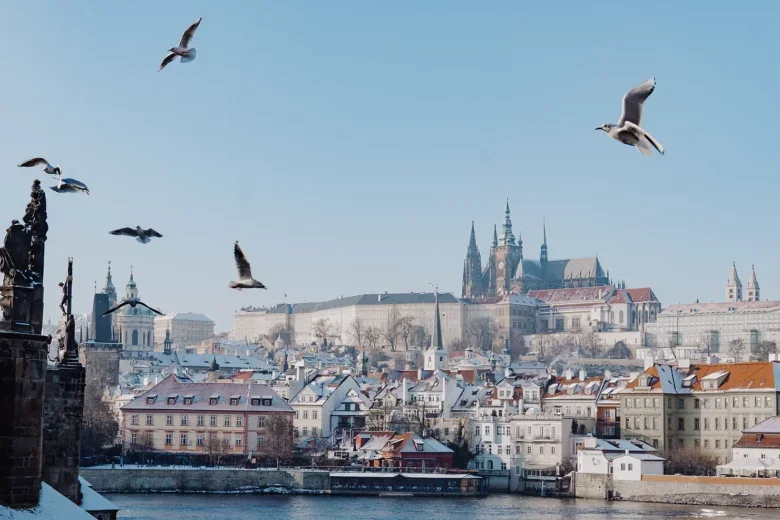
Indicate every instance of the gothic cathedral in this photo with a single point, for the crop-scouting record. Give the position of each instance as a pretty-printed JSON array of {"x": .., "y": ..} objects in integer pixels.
[{"x": 507, "y": 272}]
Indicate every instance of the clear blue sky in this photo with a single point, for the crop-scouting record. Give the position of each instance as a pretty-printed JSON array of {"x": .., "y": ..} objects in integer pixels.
[{"x": 348, "y": 145}]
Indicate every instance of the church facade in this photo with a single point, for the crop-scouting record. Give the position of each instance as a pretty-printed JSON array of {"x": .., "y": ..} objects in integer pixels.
[{"x": 507, "y": 271}]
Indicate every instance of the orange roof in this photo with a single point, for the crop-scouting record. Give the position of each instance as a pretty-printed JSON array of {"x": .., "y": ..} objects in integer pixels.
[
  {"x": 758, "y": 440},
  {"x": 643, "y": 294},
  {"x": 757, "y": 375}
]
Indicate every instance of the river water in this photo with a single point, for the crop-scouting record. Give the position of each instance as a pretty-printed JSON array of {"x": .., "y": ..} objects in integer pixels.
[{"x": 494, "y": 507}]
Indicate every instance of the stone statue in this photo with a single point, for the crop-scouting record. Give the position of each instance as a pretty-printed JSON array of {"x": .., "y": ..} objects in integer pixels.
[
  {"x": 70, "y": 335},
  {"x": 21, "y": 264},
  {"x": 64, "y": 300}
]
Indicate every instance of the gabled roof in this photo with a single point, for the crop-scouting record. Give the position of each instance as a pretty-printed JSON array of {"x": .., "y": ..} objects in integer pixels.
[
  {"x": 771, "y": 425},
  {"x": 362, "y": 299},
  {"x": 575, "y": 295}
]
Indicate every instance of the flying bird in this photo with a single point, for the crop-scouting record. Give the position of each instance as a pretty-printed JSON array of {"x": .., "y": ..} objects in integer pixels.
[
  {"x": 142, "y": 235},
  {"x": 183, "y": 50},
  {"x": 40, "y": 161},
  {"x": 628, "y": 130},
  {"x": 133, "y": 303},
  {"x": 245, "y": 280},
  {"x": 70, "y": 186}
]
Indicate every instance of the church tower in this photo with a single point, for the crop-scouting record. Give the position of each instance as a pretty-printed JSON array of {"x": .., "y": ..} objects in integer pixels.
[
  {"x": 753, "y": 291},
  {"x": 543, "y": 255},
  {"x": 508, "y": 255},
  {"x": 110, "y": 290},
  {"x": 472, "y": 269},
  {"x": 436, "y": 358},
  {"x": 734, "y": 286}
]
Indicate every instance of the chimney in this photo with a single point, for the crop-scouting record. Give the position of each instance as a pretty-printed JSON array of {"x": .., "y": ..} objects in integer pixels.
[
  {"x": 379, "y": 298},
  {"x": 607, "y": 375},
  {"x": 419, "y": 375},
  {"x": 404, "y": 390},
  {"x": 684, "y": 363},
  {"x": 568, "y": 373},
  {"x": 649, "y": 361},
  {"x": 507, "y": 372},
  {"x": 583, "y": 374}
]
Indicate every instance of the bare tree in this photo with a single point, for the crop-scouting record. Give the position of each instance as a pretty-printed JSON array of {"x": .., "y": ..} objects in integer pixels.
[
  {"x": 689, "y": 460},
  {"x": 737, "y": 348},
  {"x": 323, "y": 329},
  {"x": 480, "y": 331},
  {"x": 356, "y": 331},
  {"x": 217, "y": 446},
  {"x": 764, "y": 349},
  {"x": 372, "y": 336},
  {"x": 279, "y": 437},
  {"x": 280, "y": 328},
  {"x": 461, "y": 444},
  {"x": 99, "y": 426},
  {"x": 380, "y": 414},
  {"x": 590, "y": 344},
  {"x": 456, "y": 345},
  {"x": 407, "y": 331},
  {"x": 392, "y": 327},
  {"x": 144, "y": 445},
  {"x": 420, "y": 336}
]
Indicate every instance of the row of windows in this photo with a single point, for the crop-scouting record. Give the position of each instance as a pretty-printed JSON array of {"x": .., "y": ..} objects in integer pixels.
[
  {"x": 200, "y": 420},
  {"x": 305, "y": 431},
  {"x": 188, "y": 399},
  {"x": 306, "y": 414},
  {"x": 200, "y": 439},
  {"x": 719, "y": 423},
  {"x": 655, "y": 402}
]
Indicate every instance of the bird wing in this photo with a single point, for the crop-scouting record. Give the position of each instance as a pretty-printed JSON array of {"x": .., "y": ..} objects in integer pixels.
[
  {"x": 109, "y": 311},
  {"x": 188, "y": 34},
  {"x": 152, "y": 233},
  {"x": 169, "y": 58},
  {"x": 244, "y": 270},
  {"x": 130, "y": 232},
  {"x": 75, "y": 184},
  {"x": 633, "y": 101},
  {"x": 35, "y": 161},
  {"x": 139, "y": 302}
]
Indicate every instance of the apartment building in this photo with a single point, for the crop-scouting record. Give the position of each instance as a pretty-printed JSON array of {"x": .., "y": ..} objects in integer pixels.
[
  {"x": 574, "y": 397},
  {"x": 701, "y": 405},
  {"x": 178, "y": 416}
]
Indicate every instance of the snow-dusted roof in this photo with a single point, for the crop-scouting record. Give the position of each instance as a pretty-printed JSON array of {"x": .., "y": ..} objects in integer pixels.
[
  {"x": 52, "y": 506},
  {"x": 93, "y": 501},
  {"x": 187, "y": 316}
]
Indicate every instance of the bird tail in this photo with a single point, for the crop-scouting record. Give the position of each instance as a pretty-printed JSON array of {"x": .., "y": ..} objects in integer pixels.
[
  {"x": 191, "y": 55},
  {"x": 233, "y": 285}
]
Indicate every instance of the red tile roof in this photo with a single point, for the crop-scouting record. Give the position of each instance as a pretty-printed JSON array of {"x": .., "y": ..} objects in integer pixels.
[
  {"x": 641, "y": 295},
  {"x": 584, "y": 295}
]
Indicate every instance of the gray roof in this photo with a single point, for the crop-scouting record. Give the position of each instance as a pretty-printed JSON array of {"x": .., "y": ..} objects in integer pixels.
[
  {"x": 771, "y": 425},
  {"x": 188, "y": 316},
  {"x": 363, "y": 299},
  {"x": 202, "y": 393},
  {"x": 561, "y": 269}
]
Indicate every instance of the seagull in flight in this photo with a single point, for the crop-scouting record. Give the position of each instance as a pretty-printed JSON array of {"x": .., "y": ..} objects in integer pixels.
[
  {"x": 40, "y": 161},
  {"x": 183, "y": 50},
  {"x": 142, "y": 235},
  {"x": 245, "y": 280},
  {"x": 627, "y": 129},
  {"x": 70, "y": 186},
  {"x": 133, "y": 303}
]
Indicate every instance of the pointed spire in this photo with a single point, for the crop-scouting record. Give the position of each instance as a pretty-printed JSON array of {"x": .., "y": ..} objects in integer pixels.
[
  {"x": 507, "y": 238},
  {"x": 473, "y": 239},
  {"x": 543, "y": 255},
  {"x": 436, "y": 340},
  {"x": 734, "y": 277},
  {"x": 495, "y": 236},
  {"x": 753, "y": 282}
]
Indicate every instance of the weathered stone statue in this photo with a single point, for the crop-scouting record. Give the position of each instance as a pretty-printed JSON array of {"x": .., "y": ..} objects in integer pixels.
[
  {"x": 21, "y": 263},
  {"x": 64, "y": 300}
]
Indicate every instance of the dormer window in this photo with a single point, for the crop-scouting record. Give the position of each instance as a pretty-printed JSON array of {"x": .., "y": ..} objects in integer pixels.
[
  {"x": 214, "y": 399},
  {"x": 172, "y": 399},
  {"x": 234, "y": 400},
  {"x": 151, "y": 399},
  {"x": 266, "y": 402},
  {"x": 188, "y": 400},
  {"x": 255, "y": 402}
]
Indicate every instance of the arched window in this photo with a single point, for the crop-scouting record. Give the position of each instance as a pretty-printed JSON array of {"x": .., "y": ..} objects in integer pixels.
[
  {"x": 620, "y": 317},
  {"x": 490, "y": 464},
  {"x": 135, "y": 338},
  {"x": 646, "y": 316}
]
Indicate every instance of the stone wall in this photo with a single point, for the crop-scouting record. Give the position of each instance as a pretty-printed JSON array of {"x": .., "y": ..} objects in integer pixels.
[
  {"x": 127, "y": 480},
  {"x": 590, "y": 485},
  {"x": 62, "y": 416},
  {"x": 22, "y": 373},
  {"x": 102, "y": 363},
  {"x": 720, "y": 491}
]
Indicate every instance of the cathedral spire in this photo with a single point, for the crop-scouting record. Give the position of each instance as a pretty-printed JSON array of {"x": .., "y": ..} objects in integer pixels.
[
  {"x": 495, "y": 236},
  {"x": 472, "y": 269},
  {"x": 473, "y": 239},
  {"x": 752, "y": 288},
  {"x": 109, "y": 287},
  {"x": 507, "y": 238},
  {"x": 543, "y": 255},
  {"x": 734, "y": 285}
]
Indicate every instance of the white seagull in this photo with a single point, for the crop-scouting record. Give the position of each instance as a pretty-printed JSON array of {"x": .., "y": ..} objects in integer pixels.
[
  {"x": 142, "y": 235},
  {"x": 40, "y": 161},
  {"x": 245, "y": 280},
  {"x": 183, "y": 50},
  {"x": 70, "y": 186},
  {"x": 627, "y": 129}
]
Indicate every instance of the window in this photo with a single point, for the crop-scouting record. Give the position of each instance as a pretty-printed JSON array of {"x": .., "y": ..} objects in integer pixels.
[
  {"x": 680, "y": 424},
  {"x": 134, "y": 419},
  {"x": 733, "y": 423},
  {"x": 655, "y": 423},
  {"x": 169, "y": 420},
  {"x": 552, "y": 450},
  {"x": 758, "y": 402},
  {"x": 476, "y": 430},
  {"x": 745, "y": 402},
  {"x": 213, "y": 400},
  {"x": 239, "y": 420},
  {"x": 541, "y": 450},
  {"x": 575, "y": 323},
  {"x": 295, "y": 431},
  {"x": 500, "y": 450},
  {"x": 607, "y": 414},
  {"x": 149, "y": 420},
  {"x": 234, "y": 400},
  {"x": 655, "y": 402},
  {"x": 168, "y": 439},
  {"x": 314, "y": 431},
  {"x": 528, "y": 449},
  {"x": 647, "y": 423},
  {"x": 260, "y": 441},
  {"x": 628, "y": 424},
  {"x": 150, "y": 400},
  {"x": 706, "y": 423},
  {"x": 579, "y": 410},
  {"x": 133, "y": 438},
  {"x": 149, "y": 438},
  {"x": 503, "y": 465},
  {"x": 239, "y": 440},
  {"x": 261, "y": 421},
  {"x": 487, "y": 430},
  {"x": 706, "y": 443},
  {"x": 696, "y": 403},
  {"x": 266, "y": 402},
  {"x": 717, "y": 423},
  {"x": 768, "y": 402},
  {"x": 183, "y": 420},
  {"x": 188, "y": 400},
  {"x": 717, "y": 444},
  {"x": 636, "y": 402},
  {"x": 696, "y": 423},
  {"x": 552, "y": 432},
  {"x": 297, "y": 414},
  {"x": 744, "y": 423},
  {"x": 305, "y": 431},
  {"x": 172, "y": 400},
  {"x": 446, "y": 432},
  {"x": 199, "y": 439},
  {"x": 680, "y": 404},
  {"x": 306, "y": 414},
  {"x": 735, "y": 402},
  {"x": 630, "y": 467},
  {"x": 227, "y": 420},
  {"x": 620, "y": 317},
  {"x": 200, "y": 420},
  {"x": 717, "y": 403},
  {"x": 212, "y": 420},
  {"x": 696, "y": 443},
  {"x": 183, "y": 439},
  {"x": 669, "y": 423},
  {"x": 314, "y": 414},
  {"x": 763, "y": 455},
  {"x": 622, "y": 466}
]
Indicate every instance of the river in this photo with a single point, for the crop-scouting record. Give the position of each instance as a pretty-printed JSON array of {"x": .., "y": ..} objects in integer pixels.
[{"x": 494, "y": 507}]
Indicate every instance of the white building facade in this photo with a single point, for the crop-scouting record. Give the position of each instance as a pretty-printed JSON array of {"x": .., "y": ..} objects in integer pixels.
[{"x": 186, "y": 328}]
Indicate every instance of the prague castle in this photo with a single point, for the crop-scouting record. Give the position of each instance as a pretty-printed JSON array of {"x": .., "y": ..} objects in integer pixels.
[{"x": 508, "y": 272}]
